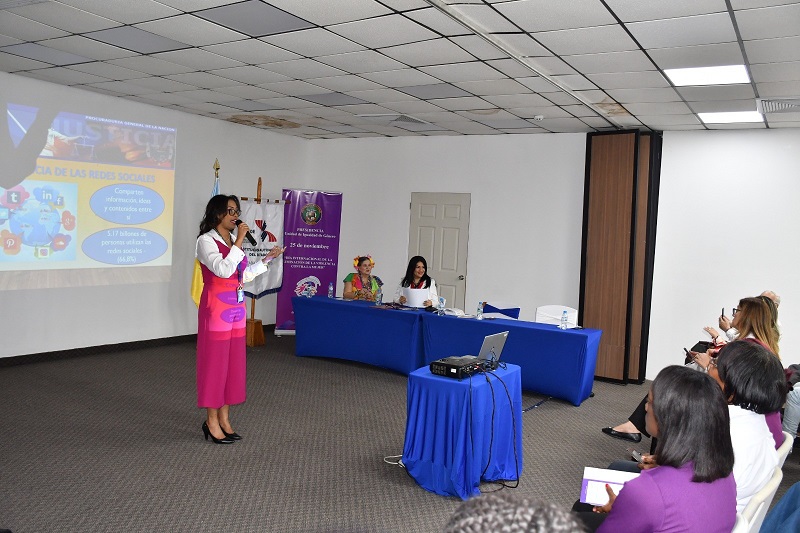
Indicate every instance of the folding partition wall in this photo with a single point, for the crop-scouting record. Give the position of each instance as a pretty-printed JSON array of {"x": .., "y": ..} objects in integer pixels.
[{"x": 619, "y": 227}]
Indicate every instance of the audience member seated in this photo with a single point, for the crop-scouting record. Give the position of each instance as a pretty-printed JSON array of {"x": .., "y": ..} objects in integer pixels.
[
  {"x": 490, "y": 513},
  {"x": 754, "y": 319},
  {"x": 691, "y": 486},
  {"x": 417, "y": 278},
  {"x": 761, "y": 327},
  {"x": 362, "y": 285}
]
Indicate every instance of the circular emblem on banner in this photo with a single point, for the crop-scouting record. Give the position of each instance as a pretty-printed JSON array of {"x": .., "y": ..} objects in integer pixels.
[{"x": 311, "y": 214}]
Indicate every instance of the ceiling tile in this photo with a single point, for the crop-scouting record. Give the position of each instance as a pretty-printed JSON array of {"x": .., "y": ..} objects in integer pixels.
[
  {"x": 389, "y": 30},
  {"x": 333, "y": 99},
  {"x": 25, "y": 29},
  {"x": 206, "y": 95},
  {"x": 717, "y": 92},
  {"x": 251, "y": 51},
  {"x": 76, "y": 44},
  {"x": 629, "y": 80},
  {"x": 485, "y": 18},
  {"x": 345, "y": 83},
  {"x": 107, "y": 70},
  {"x": 381, "y": 96},
  {"x": 434, "y": 52},
  {"x": 44, "y": 54},
  {"x": 660, "y": 122},
  {"x": 412, "y": 107},
  {"x": 748, "y": 104},
  {"x": 475, "y": 71},
  {"x": 293, "y": 88},
  {"x": 773, "y": 50},
  {"x": 150, "y": 65},
  {"x": 779, "y": 89},
  {"x": 532, "y": 16},
  {"x": 194, "y": 5},
  {"x": 123, "y": 87},
  {"x": 5, "y": 40},
  {"x": 137, "y": 40},
  {"x": 548, "y": 111},
  {"x": 764, "y": 72},
  {"x": 64, "y": 17},
  {"x": 198, "y": 59},
  {"x": 304, "y": 69},
  {"x": 361, "y": 62},
  {"x": 438, "y": 90},
  {"x": 203, "y": 79},
  {"x": 632, "y": 96},
  {"x": 478, "y": 47},
  {"x": 517, "y": 100},
  {"x": 633, "y": 61},
  {"x": 325, "y": 13},
  {"x": 313, "y": 42},
  {"x": 636, "y": 10},
  {"x": 574, "y": 82},
  {"x": 191, "y": 30},
  {"x": 750, "y": 4},
  {"x": 12, "y": 63},
  {"x": 587, "y": 40},
  {"x": 522, "y": 45},
  {"x": 250, "y": 74},
  {"x": 438, "y": 22},
  {"x": 769, "y": 22},
  {"x": 661, "y": 108},
  {"x": 249, "y": 92},
  {"x": 511, "y": 67},
  {"x": 400, "y": 78},
  {"x": 704, "y": 55},
  {"x": 564, "y": 125},
  {"x": 66, "y": 76},
  {"x": 163, "y": 85},
  {"x": 462, "y": 104},
  {"x": 684, "y": 31},
  {"x": 125, "y": 12},
  {"x": 254, "y": 18},
  {"x": 556, "y": 66},
  {"x": 487, "y": 87}
]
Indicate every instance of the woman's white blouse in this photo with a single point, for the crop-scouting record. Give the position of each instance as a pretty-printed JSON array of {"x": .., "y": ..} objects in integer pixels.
[{"x": 208, "y": 253}]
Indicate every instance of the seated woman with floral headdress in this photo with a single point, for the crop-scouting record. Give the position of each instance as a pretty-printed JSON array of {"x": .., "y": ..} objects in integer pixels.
[{"x": 362, "y": 285}]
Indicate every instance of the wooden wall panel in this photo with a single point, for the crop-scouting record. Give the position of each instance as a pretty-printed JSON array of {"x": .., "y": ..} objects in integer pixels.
[
  {"x": 639, "y": 255},
  {"x": 607, "y": 251}
]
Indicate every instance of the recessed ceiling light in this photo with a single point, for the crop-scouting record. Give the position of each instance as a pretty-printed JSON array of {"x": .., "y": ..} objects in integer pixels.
[
  {"x": 731, "y": 117},
  {"x": 727, "y": 75}
]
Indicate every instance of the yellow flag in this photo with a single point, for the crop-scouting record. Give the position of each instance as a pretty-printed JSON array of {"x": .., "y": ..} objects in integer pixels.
[{"x": 197, "y": 283}]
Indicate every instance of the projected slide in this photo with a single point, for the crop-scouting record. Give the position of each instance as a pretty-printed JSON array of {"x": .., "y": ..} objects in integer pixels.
[{"x": 98, "y": 194}]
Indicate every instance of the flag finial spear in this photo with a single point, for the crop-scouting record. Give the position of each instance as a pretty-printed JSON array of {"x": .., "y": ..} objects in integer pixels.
[{"x": 216, "y": 168}]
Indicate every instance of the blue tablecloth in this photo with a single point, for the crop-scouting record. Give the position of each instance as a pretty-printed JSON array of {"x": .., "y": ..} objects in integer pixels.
[
  {"x": 450, "y": 437},
  {"x": 558, "y": 363},
  {"x": 358, "y": 331}
]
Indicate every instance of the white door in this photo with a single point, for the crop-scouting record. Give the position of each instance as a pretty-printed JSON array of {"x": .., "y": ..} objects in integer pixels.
[{"x": 439, "y": 232}]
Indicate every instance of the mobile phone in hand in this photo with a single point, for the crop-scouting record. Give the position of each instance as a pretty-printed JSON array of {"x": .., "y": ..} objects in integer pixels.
[
  {"x": 636, "y": 455},
  {"x": 723, "y": 312}
]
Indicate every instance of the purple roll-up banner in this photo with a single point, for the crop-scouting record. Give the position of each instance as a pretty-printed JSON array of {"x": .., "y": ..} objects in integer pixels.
[{"x": 311, "y": 225}]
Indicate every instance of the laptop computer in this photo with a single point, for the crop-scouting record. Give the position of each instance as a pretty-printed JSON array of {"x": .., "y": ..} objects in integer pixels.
[{"x": 491, "y": 348}]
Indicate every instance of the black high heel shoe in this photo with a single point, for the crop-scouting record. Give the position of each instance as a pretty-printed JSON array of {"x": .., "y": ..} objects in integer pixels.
[
  {"x": 215, "y": 440},
  {"x": 232, "y": 436}
]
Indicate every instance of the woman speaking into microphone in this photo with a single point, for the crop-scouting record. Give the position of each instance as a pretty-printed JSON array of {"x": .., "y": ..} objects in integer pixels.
[{"x": 221, "y": 324}]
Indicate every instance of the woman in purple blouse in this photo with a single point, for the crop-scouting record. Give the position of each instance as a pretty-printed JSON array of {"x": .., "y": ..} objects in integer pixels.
[{"x": 692, "y": 488}]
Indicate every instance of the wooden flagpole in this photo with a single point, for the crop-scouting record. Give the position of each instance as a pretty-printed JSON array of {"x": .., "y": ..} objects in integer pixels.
[{"x": 255, "y": 328}]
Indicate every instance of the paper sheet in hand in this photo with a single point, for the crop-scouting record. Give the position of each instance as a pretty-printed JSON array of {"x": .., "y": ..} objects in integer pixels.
[
  {"x": 415, "y": 297},
  {"x": 593, "y": 488}
]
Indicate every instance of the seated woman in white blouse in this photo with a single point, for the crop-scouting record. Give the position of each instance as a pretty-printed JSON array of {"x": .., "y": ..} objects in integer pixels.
[{"x": 417, "y": 278}]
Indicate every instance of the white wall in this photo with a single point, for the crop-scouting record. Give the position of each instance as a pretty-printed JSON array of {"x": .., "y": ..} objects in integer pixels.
[
  {"x": 727, "y": 228},
  {"x": 526, "y": 212},
  {"x": 58, "y": 319}
]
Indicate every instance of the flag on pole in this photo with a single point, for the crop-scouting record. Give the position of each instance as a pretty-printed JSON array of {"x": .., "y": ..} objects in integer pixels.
[
  {"x": 266, "y": 225},
  {"x": 197, "y": 276}
]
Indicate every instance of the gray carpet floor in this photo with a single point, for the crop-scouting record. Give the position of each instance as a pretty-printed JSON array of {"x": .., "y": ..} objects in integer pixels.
[{"x": 110, "y": 440}]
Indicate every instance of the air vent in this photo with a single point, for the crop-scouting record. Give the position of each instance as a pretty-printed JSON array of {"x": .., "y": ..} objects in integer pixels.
[{"x": 778, "y": 105}]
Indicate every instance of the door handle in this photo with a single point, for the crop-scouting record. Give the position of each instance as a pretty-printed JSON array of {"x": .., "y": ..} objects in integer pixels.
[{"x": 461, "y": 277}]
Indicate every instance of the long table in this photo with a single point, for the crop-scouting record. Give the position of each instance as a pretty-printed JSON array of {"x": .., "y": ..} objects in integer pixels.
[
  {"x": 462, "y": 432},
  {"x": 558, "y": 363},
  {"x": 358, "y": 331},
  {"x": 554, "y": 362}
]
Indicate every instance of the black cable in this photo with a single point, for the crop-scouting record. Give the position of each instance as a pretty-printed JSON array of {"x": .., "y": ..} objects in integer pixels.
[
  {"x": 514, "y": 427},
  {"x": 537, "y": 404},
  {"x": 491, "y": 432}
]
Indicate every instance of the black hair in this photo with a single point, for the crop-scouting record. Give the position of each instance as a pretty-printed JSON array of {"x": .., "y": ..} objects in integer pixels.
[
  {"x": 216, "y": 209},
  {"x": 363, "y": 258},
  {"x": 409, "y": 277},
  {"x": 752, "y": 377},
  {"x": 693, "y": 423}
]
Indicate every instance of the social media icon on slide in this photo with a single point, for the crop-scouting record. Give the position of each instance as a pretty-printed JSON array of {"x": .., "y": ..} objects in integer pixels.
[{"x": 4, "y": 215}]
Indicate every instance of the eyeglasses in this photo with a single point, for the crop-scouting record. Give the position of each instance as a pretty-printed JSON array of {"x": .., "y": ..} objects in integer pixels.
[
  {"x": 234, "y": 212},
  {"x": 735, "y": 309}
]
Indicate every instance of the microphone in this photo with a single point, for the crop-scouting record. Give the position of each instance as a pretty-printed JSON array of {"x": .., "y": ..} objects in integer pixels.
[{"x": 247, "y": 235}]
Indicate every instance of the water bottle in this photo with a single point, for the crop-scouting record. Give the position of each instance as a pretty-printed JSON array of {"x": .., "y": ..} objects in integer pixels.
[
  {"x": 479, "y": 312},
  {"x": 564, "y": 320},
  {"x": 330, "y": 290},
  {"x": 379, "y": 296},
  {"x": 440, "y": 306}
]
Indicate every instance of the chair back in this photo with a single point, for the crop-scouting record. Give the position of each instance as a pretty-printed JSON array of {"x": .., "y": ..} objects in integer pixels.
[
  {"x": 551, "y": 314},
  {"x": 757, "y": 507},
  {"x": 785, "y": 448},
  {"x": 501, "y": 309}
]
